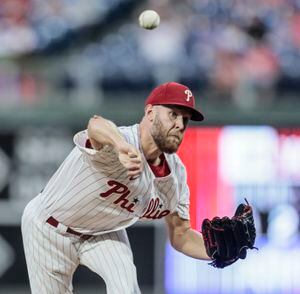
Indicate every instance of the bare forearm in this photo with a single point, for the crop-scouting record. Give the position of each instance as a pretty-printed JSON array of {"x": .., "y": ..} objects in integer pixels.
[
  {"x": 191, "y": 243},
  {"x": 103, "y": 132}
]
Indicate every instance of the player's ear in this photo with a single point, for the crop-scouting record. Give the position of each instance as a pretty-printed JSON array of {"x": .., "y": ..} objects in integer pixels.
[{"x": 149, "y": 112}]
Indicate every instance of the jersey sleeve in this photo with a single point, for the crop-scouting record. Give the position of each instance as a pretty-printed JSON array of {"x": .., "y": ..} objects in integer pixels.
[
  {"x": 183, "y": 206},
  {"x": 106, "y": 154}
]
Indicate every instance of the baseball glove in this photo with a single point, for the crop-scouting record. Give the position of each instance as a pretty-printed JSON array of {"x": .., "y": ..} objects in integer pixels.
[{"x": 227, "y": 239}]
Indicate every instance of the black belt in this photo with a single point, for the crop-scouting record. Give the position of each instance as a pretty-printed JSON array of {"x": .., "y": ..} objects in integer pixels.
[{"x": 53, "y": 222}]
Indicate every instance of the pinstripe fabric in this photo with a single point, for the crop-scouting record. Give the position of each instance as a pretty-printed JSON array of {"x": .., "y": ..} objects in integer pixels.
[
  {"x": 72, "y": 196},
  {"x": 110, "y": 256},
  {"x": 91, "y": 194},
  {"x": 52, "y": 256}
]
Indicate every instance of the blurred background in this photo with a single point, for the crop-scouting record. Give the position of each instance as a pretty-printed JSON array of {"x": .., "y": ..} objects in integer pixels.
[{"x": 61, "y": 61}]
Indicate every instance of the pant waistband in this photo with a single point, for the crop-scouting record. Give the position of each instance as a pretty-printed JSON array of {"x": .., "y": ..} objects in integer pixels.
[{"x": 53, "y": 222}]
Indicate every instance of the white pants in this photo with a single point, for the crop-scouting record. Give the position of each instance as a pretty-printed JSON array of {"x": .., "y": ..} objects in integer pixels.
[{"x": 52, "y": 257}]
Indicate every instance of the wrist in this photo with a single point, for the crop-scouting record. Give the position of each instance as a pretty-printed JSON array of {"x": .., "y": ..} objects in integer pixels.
[{"x": 118, "y": 142}]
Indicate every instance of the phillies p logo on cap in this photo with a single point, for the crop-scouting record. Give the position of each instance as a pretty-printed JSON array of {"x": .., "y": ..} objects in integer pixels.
[{"x": 188, "y": 94}]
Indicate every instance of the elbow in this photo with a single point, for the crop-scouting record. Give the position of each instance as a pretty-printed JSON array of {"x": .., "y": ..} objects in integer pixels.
[
  {"x": 176, "y": 243},
  {"x": 93, "y": 132},
  {"x": 94, "y": 125},
  {"x": 90, "y": 128},
  {"x": 173, "y": 243},
  {"x": 176, "y": 247}
]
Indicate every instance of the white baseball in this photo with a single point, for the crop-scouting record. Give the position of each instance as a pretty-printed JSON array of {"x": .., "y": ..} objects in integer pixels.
[{"x": 149, "y": 19}]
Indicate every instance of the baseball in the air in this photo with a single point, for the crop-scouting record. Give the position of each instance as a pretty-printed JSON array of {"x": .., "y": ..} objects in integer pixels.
[{"x": 149, "y": 19}]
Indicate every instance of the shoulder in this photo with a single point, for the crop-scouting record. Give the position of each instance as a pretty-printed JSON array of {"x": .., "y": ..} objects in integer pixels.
[
  {"x": 130, "y": 133},
  {"x": 80, "y": 139},
  {"x": 129, "y": 130},
  {"x": 176, "y": 163}
]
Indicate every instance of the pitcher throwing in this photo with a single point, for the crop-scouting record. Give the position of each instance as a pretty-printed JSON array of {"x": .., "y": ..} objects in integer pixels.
[{"x": 113, "y": 177}]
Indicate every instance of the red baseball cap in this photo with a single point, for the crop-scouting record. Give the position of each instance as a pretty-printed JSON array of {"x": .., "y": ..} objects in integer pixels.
[{"x": 172, "y": 93}]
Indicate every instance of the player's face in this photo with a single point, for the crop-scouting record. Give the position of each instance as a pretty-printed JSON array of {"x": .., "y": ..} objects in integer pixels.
[{"x": 168, "y": 127}]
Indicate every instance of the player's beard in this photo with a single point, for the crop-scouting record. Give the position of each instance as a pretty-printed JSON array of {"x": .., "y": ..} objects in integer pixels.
[{"x": 164, "y": 140}]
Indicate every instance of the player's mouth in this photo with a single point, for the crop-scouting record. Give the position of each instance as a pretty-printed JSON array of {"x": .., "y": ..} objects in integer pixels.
[{"x": 176, "y": 137}]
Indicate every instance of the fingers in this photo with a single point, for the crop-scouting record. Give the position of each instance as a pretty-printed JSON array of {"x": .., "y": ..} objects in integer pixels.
[
  {"x": 135, "y": 157},
  {"x": 134, "y": 174},
  {"x": 134, "y": 170},
  {"x": 133, "y": 154},
  {"x": 135, "y": 167},
  {"x": 131, "y": 159}
]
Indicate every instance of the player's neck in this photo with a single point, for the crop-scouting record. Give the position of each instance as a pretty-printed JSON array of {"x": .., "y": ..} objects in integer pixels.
[{"x": 155, "y": 161}]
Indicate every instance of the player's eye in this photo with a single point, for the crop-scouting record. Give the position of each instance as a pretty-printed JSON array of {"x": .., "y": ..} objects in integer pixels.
[{"x": 173, "y": 115}]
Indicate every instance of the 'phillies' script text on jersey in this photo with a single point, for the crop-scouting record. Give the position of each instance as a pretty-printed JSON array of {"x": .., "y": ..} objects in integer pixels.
[{"x": 152, "y": 211}]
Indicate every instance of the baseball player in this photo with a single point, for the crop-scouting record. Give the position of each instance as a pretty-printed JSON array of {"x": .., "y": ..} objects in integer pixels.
[{"x": 112, "y": 178}]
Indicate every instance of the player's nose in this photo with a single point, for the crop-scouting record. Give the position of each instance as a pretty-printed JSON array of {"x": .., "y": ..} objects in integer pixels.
[{"x": 180, "y": 123}]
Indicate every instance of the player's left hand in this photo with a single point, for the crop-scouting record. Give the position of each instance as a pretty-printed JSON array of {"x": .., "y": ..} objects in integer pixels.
[{"x": 227, "y": 239}]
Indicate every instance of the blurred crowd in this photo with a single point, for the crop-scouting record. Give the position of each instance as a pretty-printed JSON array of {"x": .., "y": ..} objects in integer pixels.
[
  {"x": 31, "y": 25},
  {"x": 241, "y": 49}
]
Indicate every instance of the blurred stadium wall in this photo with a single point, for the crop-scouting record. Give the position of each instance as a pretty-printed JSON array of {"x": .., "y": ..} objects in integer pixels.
[{"x": 63, "y": 61}]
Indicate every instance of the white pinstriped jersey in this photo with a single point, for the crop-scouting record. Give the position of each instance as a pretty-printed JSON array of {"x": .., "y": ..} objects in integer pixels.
[{"x": 91, "y": 192}]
